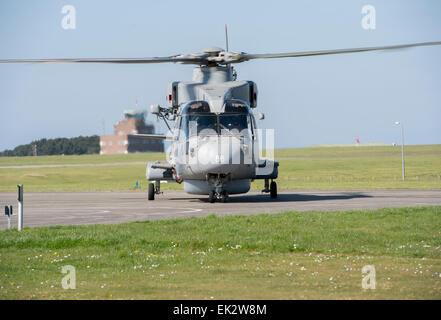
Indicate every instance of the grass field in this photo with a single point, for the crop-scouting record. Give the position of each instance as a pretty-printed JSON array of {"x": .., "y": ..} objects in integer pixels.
[
  {"x": 314, "y": 168},
  {"x": 312, "y": 255}
]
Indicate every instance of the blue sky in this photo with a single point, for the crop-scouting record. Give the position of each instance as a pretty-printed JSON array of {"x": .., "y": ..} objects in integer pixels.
[{"x": 310, "y": 100}]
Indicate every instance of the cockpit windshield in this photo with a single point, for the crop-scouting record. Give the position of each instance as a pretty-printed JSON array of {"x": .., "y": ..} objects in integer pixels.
[
  {"x": 198, "y": 120},
  {"x": 213, "y": 124},
  {"x": 200, "y": 124},
  {"x": 233, "y": 122}
]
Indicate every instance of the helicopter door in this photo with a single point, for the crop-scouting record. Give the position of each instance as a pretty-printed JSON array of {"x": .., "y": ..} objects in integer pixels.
[
  {"x": 254, "y": 140},
  {"x": 177, "y": 137}
]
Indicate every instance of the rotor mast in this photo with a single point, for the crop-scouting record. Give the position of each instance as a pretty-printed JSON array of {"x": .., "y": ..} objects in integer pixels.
[{"x": 213, "y": 72}]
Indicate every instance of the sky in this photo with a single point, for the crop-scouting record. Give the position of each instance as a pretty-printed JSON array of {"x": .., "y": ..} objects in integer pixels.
[{"x": 310, "y": 100}]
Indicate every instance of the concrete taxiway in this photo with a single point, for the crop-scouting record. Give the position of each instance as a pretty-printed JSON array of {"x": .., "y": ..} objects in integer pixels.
[{"x": 75, "y": 208}]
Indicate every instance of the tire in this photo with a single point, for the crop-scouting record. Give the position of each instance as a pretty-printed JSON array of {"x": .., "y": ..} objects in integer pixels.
[
  {"x": 224, "y": 197},
  {"x": 273, "y": 190},
  {"x": 211, "y": 197},
  {"x": 151, "y": 191}
]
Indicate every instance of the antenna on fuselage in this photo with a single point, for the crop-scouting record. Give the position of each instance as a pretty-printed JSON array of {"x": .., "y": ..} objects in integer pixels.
[
  {"x": 227, "y": 50},
  {"x": 226, "y": 37}
]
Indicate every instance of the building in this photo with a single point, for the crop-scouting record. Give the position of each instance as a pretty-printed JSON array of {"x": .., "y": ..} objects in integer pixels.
[{"x": 123, "y": 140}]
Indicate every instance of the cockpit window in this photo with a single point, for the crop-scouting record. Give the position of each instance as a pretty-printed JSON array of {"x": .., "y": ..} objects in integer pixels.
[
  {"x": 213, "y": 124},
  {"x": 200, "y": 124},
  {"x": 196, "y": 107},
  {"x": 198, "y": 120},
  {"x": 236, "y": 106},
  {"x": 236, "y": 122}
]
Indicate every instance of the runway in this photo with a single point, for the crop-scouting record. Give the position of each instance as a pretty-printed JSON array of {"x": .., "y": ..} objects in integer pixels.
[{"x": 76, "y": 208}]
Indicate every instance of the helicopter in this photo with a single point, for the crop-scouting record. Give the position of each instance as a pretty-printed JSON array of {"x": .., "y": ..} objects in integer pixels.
[{"x": 215, "y": 148}]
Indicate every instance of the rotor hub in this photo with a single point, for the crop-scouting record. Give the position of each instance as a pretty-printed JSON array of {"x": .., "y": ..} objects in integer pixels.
[{"x": 212, "y": 51}]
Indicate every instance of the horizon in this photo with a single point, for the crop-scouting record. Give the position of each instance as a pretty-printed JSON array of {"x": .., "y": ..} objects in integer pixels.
[{"x": 338, "y": 145}]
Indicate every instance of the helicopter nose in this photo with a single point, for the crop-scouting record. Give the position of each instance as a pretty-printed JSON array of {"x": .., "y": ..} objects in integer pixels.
[
  {"x": 217, "y": 156},
  {"x": 212, "y": 154}
]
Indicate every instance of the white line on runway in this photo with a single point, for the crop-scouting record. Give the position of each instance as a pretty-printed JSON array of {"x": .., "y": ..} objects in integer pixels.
[{"x": 187, "y": 210}]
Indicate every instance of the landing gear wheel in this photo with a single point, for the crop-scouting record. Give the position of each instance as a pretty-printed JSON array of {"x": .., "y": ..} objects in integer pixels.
[
  {"x": 212, "y": 197},
  {"x": 151, "y": 191},
  {"x": 273, "y": 190},
  {"x": 224, "y": 196}
]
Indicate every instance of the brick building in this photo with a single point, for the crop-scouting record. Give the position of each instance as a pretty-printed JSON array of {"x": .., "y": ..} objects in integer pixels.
[{"x": 123, "y": 140}]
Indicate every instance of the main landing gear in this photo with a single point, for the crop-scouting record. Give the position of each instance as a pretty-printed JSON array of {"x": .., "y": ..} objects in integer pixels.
[
  {"x": 270, "y": 188},
  {"x": 154, "y": 189}
]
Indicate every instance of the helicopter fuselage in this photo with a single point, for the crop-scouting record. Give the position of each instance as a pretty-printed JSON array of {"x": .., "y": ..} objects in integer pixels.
[{"x": 215, "y": 140}]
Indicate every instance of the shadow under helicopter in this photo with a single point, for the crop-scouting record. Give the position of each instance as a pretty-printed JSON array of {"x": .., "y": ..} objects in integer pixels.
[{"x": 284, "y": 197}]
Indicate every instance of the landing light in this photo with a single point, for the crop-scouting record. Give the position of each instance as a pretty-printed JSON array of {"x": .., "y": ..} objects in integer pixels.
[{"x": 154, "y": 109}]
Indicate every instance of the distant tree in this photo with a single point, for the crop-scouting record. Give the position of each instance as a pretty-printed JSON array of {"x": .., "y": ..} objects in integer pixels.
[{"x": 67, "y": 146}]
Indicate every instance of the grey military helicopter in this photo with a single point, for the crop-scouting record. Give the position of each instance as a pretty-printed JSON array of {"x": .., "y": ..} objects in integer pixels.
[{"x": 215, "y": 140}]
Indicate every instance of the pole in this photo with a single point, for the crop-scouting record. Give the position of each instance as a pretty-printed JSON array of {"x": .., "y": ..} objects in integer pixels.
[
  {"x": 402, "y": 151},
  {"x": 226, "y": 38},
  {"x": 20, "y": 207}
]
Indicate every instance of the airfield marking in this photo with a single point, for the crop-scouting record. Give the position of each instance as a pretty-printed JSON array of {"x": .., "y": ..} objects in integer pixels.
[{"x": 191, "y": 209}]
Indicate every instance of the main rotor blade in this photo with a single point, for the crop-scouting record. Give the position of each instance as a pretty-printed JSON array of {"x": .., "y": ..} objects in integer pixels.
[
  {"x": 208, "y": 58},
  {"x": 178, "y": 58},
  {"x": 247, "y": 56},
  {"x": 151, "y": 136}
]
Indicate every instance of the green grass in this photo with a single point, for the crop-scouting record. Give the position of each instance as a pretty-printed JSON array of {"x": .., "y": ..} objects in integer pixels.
[
  {"x": 81, "y": 159},
  {"x": 359, "y": 168},
  {"x": 318, "y": 168},
  {"x": 310, "y": 255}
]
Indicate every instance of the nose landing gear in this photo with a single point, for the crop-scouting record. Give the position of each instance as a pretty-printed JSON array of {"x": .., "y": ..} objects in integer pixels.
[
  {"x": 212, "y": 197},
  {"x": 218, "y": 181},
  {"x": 222, "y": 196}
]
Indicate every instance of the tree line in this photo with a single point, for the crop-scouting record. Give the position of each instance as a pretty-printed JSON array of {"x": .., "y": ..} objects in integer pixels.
[{"x": 58, "y": 146}]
